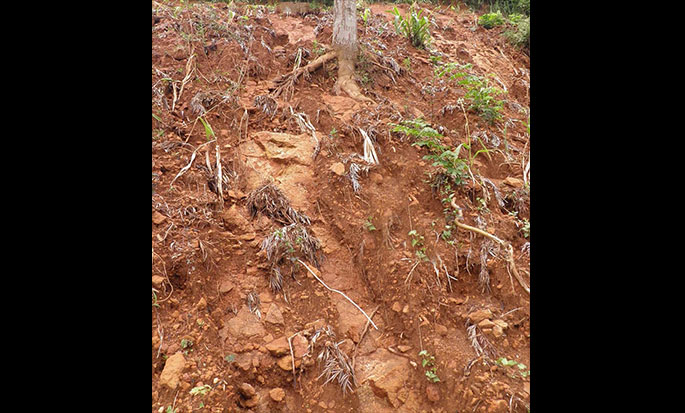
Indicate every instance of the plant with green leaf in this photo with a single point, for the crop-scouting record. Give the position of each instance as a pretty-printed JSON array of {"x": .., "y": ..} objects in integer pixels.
[
  {"x": 451, "y": 167},
  {"x": 201, "y": 390},
  {"x": 490, "y": 20},
  {"x": 428, "y": 360},
  {"x": 522, "y": 368},
  {"x": 368, "y": 224},
  {"x": 417, "y": 242},
  {"x": 414, "y": 26}
]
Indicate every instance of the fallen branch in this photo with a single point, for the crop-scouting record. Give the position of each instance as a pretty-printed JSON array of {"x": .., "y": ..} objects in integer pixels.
[
  {"x": 510, "y": 250},
  {"x": 339, "y": 292}
]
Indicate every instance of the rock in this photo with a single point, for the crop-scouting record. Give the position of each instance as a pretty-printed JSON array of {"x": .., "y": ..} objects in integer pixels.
[
  {"x": 277, "y": 394},
  {"x": 157, "y": 280},
  {"x": 226, "y": 286},
  {"x": 300, "y": 346},
  {"x": 245, "y": 325},
  {"x": 497, "y": 331},
  {"x": 201, "y": 304},
  {"x": 485, "y": 323},
  {"x": 440, "y": 329},
  {"x": 157, "y": 218},
  {"x": 501, "y": 323},
  {"x": 385, "y": 372},
  {"x": 376, "y": 177},
  {"x": 433, "y": 392},
  {"x": 513, "y": 182},
  {"x": 479, "y": 315},
  {"x": 234, "y": 220},
  {"x": 247, "y": 390},
  {"x": 278, "y": 347},
  {"x": 172, "y": 371},
  {"x": 338, "y": 168},
  {"x": 286, "y": 363},
  {"x": 403, "y": 348},
  {"x": 405, "y": 310},
  {"x": 286, "y": 147},
  {"x": 498, "y": 406},
  {"x": 274, "y": 316},
  {"x": 396, "y": 307}
]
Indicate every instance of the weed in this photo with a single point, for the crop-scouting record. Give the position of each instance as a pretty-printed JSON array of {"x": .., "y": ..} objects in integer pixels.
[
  {"x": 414, "y": 27},
  {"x": 428, "y": 360},
  {"x": 491, "y": 20},
  {"x": 417, "y": 243},
  {"x": 452, "y": 168},
  {"x": 365, "y": 15},
  {"x": 186, "y": 345},
  {"x": 201, "y": 390},
  {"x": 523, "y": 369},
  {"x": 480, "y": 95},
  {"x": 368, "y": 224}
]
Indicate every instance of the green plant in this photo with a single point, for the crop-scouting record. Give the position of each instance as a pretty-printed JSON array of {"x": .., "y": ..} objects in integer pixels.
[
  {"x": 417, "y": 243},
  {"x": 186, "y": 345},
  {"x": 520, "y": 35},
  {"x": 414, "y": 27},
  {"x": 490, "y": 20},
  {"x": 368, "y": 224},
  {"x": 504, "y": 362},
  {"x": 201, "y": 390},
  {"x": 447, "y": 160},
  {"x": 428, "y": 360},
  {"x": 526, "y": 228},
  {"x": 365, "y": 15},
  {"x": 230, "y": 358}
]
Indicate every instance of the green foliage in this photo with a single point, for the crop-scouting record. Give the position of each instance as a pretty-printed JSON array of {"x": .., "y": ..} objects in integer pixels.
[
  {"x": 368, "y": 224},
  {"x": 443, "y": 157},
  {"x": 417, "y": 243},
  {"x": 491, "y": 20},
  {"x": 428, "y": 360},
  {"x": 201, "y": 390},
  {"x": 480, "y": 95},
  {"x": 519, "y": 36},
  {"x": 414, "y": 26},
  {"x": 522, "y": 368}
]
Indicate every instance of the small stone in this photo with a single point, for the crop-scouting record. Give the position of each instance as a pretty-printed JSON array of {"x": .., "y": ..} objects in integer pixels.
[
  {"x": 226, "y": 286},
  {"x": 157, "y": 218},
  {"x": 433, "y": 392},
  {"x": 172, "y": 371},
  {"x": 503, "y": 324},
  {"x": 440, "y": 329},
  {"x": 514, "y": 182},
  {"x": 338, "y": 168},
  {"x": 202, "y": 304},
  {"x": 497, "y": 331},
  {"x": 479, "y": 315},
  {"x": 247, "y": 390},
  {"x": 286, "y": 363},
  {"x": 405, "y": 310},
  {"x": 277, "y": 394},
  {"x": 300, "y": 346},
  {"x": 396, "y": 307},
  {"x": 403, "y": 348},
  {"x": 157, "y": 280},
  {"x": 278, "y": 347},
  {"x": 486, "y": 324},
  {"x": 274, "y": 316}
]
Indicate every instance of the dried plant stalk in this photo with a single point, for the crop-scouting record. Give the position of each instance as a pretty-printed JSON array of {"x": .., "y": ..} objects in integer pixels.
[{"x": 270, "y": 201}]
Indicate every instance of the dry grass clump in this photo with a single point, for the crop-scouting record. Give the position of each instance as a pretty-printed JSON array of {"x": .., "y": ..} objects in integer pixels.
[
  {"x": 270, "y": 201},
  {"x": 284, "y": 246}
]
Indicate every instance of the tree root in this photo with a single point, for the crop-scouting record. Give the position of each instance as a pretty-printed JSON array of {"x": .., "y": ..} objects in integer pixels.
[
  {"x": 511, "y": 265},
  {"x": 284, "y": 85}
]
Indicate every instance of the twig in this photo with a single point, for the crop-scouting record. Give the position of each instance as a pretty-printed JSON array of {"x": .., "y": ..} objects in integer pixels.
[
  {"x": 339, "y": 292},
  {"x": 366, "y": 328},
  {"x": 510, "y": 250},
  {"x": 292, "y": 359},
  {"x": 192, "y": 158},
  {"x": 411, "y": 271}
]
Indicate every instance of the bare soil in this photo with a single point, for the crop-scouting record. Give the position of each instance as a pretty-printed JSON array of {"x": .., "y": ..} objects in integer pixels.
[{"x": 212, "y": 61}]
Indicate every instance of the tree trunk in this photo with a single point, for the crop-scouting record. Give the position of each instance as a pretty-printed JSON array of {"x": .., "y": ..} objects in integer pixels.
[{"x": 345, "y": 45}]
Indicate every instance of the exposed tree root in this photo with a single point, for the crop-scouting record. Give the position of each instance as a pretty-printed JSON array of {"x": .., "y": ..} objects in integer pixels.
[
  {"x": 284, "y": 85},
  {"x": 510, "y": 250}
]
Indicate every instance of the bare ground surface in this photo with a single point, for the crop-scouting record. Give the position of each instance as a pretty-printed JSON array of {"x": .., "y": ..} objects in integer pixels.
[{"x": 222, "y": 336}]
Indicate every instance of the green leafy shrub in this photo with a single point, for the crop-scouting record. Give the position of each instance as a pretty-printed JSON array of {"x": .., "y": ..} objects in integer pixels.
[
  {"x": 451, "y": 166},
  {"x": 491, "y": 20},
  {"x": 414, "y": 27},
  {"x": 520, "y": 35}
]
